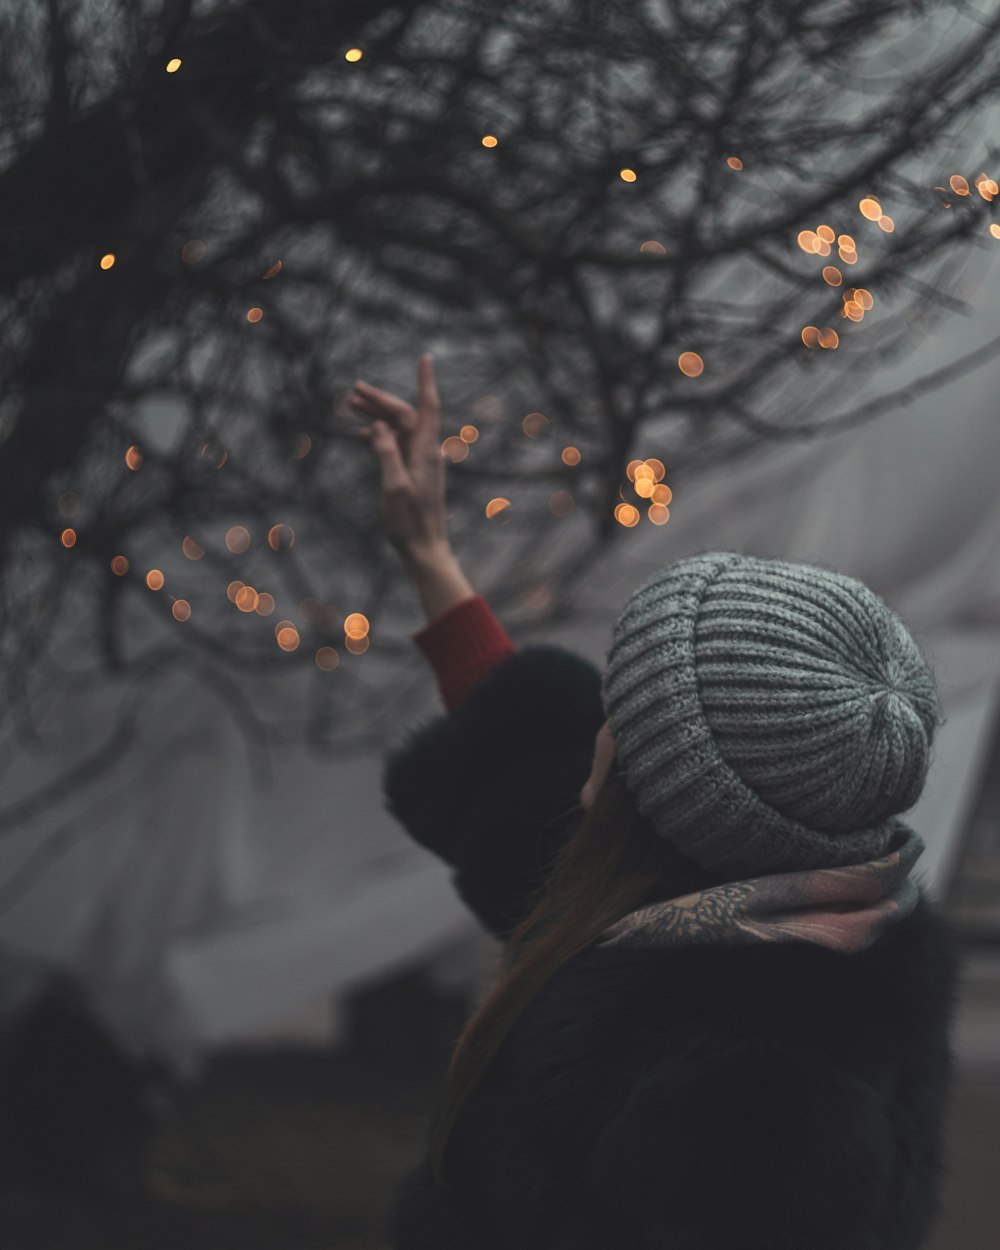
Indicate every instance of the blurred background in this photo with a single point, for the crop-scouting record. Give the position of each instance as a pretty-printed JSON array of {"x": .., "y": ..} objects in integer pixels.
[{"x": 696, "y": 275}]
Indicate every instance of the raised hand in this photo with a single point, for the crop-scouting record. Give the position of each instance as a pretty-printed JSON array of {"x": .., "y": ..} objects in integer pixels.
[{"x": 407, "y": 442}]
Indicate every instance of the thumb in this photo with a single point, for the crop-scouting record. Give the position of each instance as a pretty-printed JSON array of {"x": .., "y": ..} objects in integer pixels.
[{"x": 384, "y": 443}]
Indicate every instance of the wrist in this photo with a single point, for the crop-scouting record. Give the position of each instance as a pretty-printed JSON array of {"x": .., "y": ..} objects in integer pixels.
[{"x": 427, "y": 556}]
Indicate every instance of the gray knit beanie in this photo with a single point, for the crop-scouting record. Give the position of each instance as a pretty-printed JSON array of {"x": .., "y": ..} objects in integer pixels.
[{"x": 768, "y": 716}]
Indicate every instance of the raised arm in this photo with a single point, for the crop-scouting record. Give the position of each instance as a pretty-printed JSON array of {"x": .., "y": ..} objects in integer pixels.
[{"x": 492, "y": 787}]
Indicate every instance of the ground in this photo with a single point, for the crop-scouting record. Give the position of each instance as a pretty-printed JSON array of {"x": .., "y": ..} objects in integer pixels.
[{"x": 299, "y": 1150}]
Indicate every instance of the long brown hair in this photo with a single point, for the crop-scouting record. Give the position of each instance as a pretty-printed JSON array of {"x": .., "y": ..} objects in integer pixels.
[{"x": 613, "y": 863}]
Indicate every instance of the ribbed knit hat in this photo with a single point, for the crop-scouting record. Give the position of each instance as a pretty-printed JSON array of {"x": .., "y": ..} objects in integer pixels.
[{"x": 768, "y": 716}]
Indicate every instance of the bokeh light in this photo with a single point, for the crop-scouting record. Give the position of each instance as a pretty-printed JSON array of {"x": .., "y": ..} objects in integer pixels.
[
  {"x": 119, "y": 566},
  {"x": 690, "y": 364},
  {"x": 534, "y": 423},
  {"x": 561, "y": 503},
  {"x": 280, "y": 537},
  {"x": 356, "y": 625},
  {"x": 496, "y": 505},
  {"x": 287, "y": 636},
  {"x": 154, "y": 579},
  {"x": 870, "y": 207},
  {"x": 627, "y": 514},
  {"x": 193, "y": 550},
  {"x": 133, "y": 457},
  {"x": 181, "y": 610},
  {"x": 327, "y": 659},
  {"x": 456, "y": 449},
  {"x": 68, "y": 538},
  {"x": 237, "y": 539},
  {"x": 107, "y": 260}
]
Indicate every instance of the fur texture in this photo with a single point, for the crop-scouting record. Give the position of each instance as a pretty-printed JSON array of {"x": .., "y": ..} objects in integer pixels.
[{"x": 781, "y": 1097}]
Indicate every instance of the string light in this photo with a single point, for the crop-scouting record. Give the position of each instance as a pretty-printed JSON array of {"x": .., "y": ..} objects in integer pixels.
[
  {"x": 627, "y": 175},
  {"x": 490, "y": 141},
  {"x": 107, "y": 260},
  {"x": 353, "y": 54},
  {"x": 174, "y": 64}
]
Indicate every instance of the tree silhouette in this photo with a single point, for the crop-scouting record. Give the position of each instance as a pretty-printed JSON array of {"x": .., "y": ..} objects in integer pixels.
[{"x": 642, "y": 239}]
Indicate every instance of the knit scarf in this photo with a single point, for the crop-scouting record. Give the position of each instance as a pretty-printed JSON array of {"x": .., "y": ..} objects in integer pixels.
[{"x": 846, "y": 909}]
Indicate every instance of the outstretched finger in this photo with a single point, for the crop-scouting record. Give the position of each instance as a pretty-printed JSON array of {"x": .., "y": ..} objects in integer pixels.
[
  {"x": 430, "y": 403},
  {"x": 396, "y": 410},
  {"x": 385, "y": 445}
]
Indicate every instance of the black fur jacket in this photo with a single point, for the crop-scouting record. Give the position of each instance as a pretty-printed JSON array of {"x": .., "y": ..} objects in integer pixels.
[{"x": 767, "y": 1097}]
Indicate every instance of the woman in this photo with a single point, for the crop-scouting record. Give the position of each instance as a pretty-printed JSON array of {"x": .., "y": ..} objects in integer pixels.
[{"x": 722, "y": 1018}]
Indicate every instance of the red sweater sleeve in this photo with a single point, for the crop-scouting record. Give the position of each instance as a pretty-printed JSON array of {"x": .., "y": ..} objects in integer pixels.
[{"x": 462, "y": 645}]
